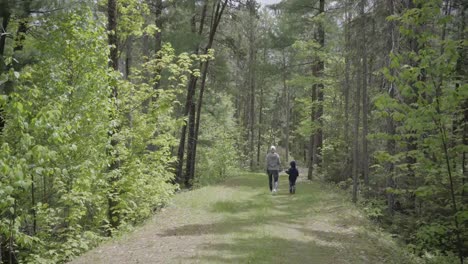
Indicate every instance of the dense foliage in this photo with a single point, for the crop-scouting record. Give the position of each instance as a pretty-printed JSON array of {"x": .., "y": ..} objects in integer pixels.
[
  {"x": 56, "y": 150},
  {"x": 428, "y": 113},
  {"x": 54, "y": 141},
  {"x": 394, "y": 123},
  {"x": 107, "y": 109}
]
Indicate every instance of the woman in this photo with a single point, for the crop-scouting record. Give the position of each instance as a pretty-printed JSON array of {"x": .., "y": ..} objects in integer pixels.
[{"x": 273, "y": 168}]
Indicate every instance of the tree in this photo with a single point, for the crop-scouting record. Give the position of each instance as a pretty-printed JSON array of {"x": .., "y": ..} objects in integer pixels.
[
  {"x": 113, "y": 214},
  {"x": 217, "y": 14},
  {"x": 420, "y": 110},
  {"x": 189, "y": 108}
]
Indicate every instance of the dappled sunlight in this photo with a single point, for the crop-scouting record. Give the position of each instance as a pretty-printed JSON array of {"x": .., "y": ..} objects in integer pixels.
[
  {"x": 266, "y": 249},
  {"x": 240, "y": 221}
]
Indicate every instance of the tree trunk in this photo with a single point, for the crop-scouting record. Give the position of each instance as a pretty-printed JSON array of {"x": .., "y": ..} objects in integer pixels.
[
  {"x": 19, "y": 39},
  {"x": 5, "y": 21},
  {"x": 391, "y": 149},
  {"x": 286, "y": 96},
  {"x": 158, "y": 36},
  {"x": 356, "y": 163},
  {"x": 158, "y": 22},
  {"x": 191, "y": 143},
  {"x": 465, "y": 154},
  {"x": 214, "y": 25},
  {"x": 113, "y": 40},
  {"x": 33, "y": 205},
  {"x": 312, "y": 138},
  {"x": 191, "y": 87},
  {"x": 128, "y": 57},
  {"x": 320, "y": 87},
  {"x": 180, "y": 154},
  {"x": 462, "y": 70},
  {"x": 113, "y": 214},
  {"x": 260, "y": 114},
  {"x": 252, "y": 62},
  {"x": 365, "y": 126},
  {"x": 252, "y": 104},
  {"x": 316, "y": 139},
  {"x": 288, "y": 121},
  {"x": 260, "y": 127},
  {"x": 21, "y": 34},
  {"x": 347, "y": 86},
  {"x": 391, "y": 127}
]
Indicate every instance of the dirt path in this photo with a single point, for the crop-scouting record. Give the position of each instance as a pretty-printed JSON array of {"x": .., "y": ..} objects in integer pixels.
[{"x": 239, "y": 221}]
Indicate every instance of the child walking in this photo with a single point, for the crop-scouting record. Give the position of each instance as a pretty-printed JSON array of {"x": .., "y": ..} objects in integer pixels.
[{"x": 293, "y": 174}]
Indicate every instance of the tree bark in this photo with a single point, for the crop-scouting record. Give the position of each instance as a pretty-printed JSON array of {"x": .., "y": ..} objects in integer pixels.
[
  {"x": 462, "y": 70},
  {"x": 252, "y": 57},
  {"x": 112, "y": 38},
  {"x": 128, "y": 57},
  {"x": 191, "y": 87},
  {"x": 286, "y": 95},
  {"x": 158, "y": 36},
  {"x": 217, "y": 14},
  {"x": 260, "y": 114},
  {"x": 391, "y": 127},
  {"x": 260, "y": 127},
  {"x": 320, "y": 87},
  {"x": 113, "y": 214},
  {"x": 191, "y": 141},
  {"x": 312, "y": 138},
  {"x": 356, "y": 163},
  {"x": 33, "y": 205},
  {"x": 5, "y": 20},
  {"x": 180, "y": 154},
  {"x": 21, "y": 34},
  {"x": 347, "y": 86},
  {"x": 365, "y": 125},
  {"x": 159, "y": 24},
  {"x": 316, "y": 139}
]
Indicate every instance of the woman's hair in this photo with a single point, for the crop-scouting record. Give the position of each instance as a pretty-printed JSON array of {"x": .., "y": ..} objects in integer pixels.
[{"x": 273, "y": 148}]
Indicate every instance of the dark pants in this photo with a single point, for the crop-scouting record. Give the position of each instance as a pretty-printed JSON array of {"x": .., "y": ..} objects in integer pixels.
[
  {"x": 292, "y": 184},
  {"x": 272, "y": 174}
]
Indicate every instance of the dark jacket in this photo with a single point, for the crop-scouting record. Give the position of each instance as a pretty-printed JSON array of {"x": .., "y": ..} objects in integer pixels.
[{"x": 293, "y": 172}]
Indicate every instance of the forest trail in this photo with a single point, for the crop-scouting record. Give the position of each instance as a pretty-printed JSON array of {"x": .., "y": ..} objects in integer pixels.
[{"x": 239, "y": 221}]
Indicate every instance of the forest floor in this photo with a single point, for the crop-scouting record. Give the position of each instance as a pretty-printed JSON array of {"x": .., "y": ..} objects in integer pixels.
[{"x": 240, "y": 221}]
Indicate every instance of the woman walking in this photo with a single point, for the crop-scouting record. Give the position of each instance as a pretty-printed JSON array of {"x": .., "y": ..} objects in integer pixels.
[{"x": 273, "y": 167}]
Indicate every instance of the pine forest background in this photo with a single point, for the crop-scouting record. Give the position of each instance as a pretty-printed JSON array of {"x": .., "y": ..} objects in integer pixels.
[{"x": 107, "y": 108}]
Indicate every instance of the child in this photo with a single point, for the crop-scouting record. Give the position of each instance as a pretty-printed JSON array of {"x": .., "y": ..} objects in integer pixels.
[{"x": 293, "y": 174}]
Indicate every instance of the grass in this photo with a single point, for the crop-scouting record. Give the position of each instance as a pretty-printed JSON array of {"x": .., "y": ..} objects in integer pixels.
[
  {"x": 316, "y": 225},
  {"x": 239, "y": 221}
]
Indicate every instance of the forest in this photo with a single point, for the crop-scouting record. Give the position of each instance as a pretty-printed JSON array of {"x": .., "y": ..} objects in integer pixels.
[{"x": 109, "y": 108}]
